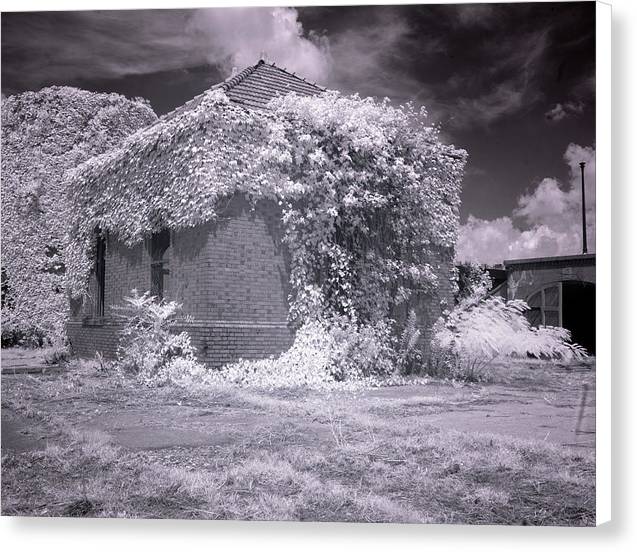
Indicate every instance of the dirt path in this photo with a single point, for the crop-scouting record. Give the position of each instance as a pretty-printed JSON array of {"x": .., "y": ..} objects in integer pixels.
[
  {"x": 526, "y": 416},
  {"x": 21, "y": 434},
  {"x": 143, "y": 419}
]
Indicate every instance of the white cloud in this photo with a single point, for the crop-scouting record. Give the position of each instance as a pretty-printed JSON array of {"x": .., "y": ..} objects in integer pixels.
[
  {"x": 561, "y": 111},
  {"x": 368, "y": 58},
  {"x": 113, "y": 44},
  {"x": 241, "y": 36},
  {"x": 493, "y": 241},
  {"x": 505, "y": 99},
  {"x": 546, "y": 222}
]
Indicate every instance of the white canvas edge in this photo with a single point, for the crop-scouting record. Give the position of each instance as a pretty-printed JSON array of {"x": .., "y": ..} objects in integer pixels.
[
  {"x": 603, "y": 262},
  {"x": 603, "y": 270}
]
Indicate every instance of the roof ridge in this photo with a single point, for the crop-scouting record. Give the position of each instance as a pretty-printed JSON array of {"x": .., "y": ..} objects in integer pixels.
[
  {"x": 292, "y": 74},
  {"x": 236, "y": 79},
  {"x": 229, "y": 84},
  {"x": 226, "y": 85}
]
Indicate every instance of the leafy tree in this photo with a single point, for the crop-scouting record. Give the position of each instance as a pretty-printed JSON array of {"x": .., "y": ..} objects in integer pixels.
[
  {"x": 44, "y": 134},
  {"x": 473, "y": 280}
]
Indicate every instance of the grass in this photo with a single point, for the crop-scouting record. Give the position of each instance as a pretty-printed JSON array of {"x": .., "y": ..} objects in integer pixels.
[{"x": 312, "y": 456}]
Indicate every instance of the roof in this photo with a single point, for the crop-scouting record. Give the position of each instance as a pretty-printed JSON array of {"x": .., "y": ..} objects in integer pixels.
[
  {"x": 547, "y": 260},
  {"x": 194, "y": 156},
  {"x": 255, "y": 86},
  {"x": 177, "y": 145}
]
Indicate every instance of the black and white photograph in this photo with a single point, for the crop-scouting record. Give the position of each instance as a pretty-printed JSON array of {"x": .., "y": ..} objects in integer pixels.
[{"x": 307, "y": 263}]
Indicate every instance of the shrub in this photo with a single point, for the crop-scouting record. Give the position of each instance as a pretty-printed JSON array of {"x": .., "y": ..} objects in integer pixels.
[
  {"x": 14, "y": 333},
  {"x": 479, "y": 330},
  {"x": 57, "y": 354},
  {"x": 147, "y": 346},
  {"x": 324, "y": 354},
  {"x": 409, "y": 356},
  {"x": 473, "y": 281}
]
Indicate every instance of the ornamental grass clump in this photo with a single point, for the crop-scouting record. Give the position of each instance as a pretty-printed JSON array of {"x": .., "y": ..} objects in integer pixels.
[
  {"x": 480, "y": 329},
  {"x": 148, "y": 349}
]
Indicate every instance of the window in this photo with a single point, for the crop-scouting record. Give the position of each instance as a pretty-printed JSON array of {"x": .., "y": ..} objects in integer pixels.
[
  {"x": 6, "y": 301},
  {"x": 159, "y": 244},
  {"x": 100, "y": 273},
  {"x": 546, "y": 306}
]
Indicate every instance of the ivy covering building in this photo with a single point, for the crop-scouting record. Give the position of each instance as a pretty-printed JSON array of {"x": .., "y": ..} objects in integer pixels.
[
  {"x": 261, "y": 205},
  {"x": 44, "y": 134}
]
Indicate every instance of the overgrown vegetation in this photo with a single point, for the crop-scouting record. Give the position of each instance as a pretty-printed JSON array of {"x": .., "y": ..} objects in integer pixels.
[
  {"x": 148, "y": 348},
  {"x": 482, "y": 328},
  {"x": 473, "y": 281},
  {"x": 369, "y": 197},
  {"x": 325, "y": 353},
  {"x": 338, "y": 353},
  {"x": 44, "y": 134}
]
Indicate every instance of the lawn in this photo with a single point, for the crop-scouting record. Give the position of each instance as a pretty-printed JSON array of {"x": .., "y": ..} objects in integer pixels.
[{"x": 99, "y": 445}]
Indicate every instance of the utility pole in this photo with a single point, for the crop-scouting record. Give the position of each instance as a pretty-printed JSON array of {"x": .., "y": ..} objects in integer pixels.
[{"x": 584, "y": 248}]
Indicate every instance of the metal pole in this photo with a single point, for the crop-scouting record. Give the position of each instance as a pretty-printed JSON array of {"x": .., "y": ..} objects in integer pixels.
[{"x": 584, "y": 248}]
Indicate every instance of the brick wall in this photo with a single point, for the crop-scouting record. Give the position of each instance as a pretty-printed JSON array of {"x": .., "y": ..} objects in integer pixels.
[{"x": 231, "y": 277}]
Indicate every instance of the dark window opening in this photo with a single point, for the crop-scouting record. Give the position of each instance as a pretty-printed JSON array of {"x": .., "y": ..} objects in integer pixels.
[
  {"x": 6, "y": 300},
  {"x": 579, "y": 313},
  {"x": 100, "y": 273},
  {"x": 159, "y": 244}
]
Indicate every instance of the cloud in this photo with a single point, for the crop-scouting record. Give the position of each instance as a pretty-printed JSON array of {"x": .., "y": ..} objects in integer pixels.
[
  {"x": 562, "y": 111},
  {"x": 492, "y": 241},
  {"x": 475, "y": 15},
  {"x": 515, "y": 68},
  {"x": 373, "y": 54},
  {"x": 371, "y": 57},
  {"x": 242, "y": 36},
  {"x": 110, "y": 44},
  {"x": 546, "y": 222},
  {"x": 505, "y": 99},
  {"x": 550, "y": 204}
]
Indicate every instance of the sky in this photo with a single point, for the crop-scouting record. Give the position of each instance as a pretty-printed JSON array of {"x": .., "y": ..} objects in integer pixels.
[{"x": 513, "y": 84}]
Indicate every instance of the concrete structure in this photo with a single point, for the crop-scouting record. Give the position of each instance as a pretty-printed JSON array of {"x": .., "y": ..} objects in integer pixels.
[{"x": 559, "y": 290}]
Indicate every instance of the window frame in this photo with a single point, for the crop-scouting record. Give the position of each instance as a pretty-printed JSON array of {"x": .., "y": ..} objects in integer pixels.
[
  {"x": 159, "y": 244},
  {"x": 100, "y": 274},
  {"x": 544, "y": 308}
]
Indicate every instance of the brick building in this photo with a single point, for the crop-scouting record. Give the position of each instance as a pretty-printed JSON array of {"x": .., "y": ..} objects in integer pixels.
[{"x": 231, "y": 275}]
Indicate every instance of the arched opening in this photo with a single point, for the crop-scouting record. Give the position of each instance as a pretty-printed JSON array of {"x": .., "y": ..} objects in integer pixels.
[
  {"x": 569, "y": 304},
  {"x": 578, "y": 312}
]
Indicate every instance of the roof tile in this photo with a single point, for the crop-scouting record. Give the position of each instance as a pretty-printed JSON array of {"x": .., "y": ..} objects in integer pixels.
[{"x": 255, "y": 86}]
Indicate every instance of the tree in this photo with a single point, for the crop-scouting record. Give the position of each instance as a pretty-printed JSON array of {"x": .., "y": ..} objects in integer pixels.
[
  {"x": 44, "y": 134},
  {"x": 473, "y": 280}
]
